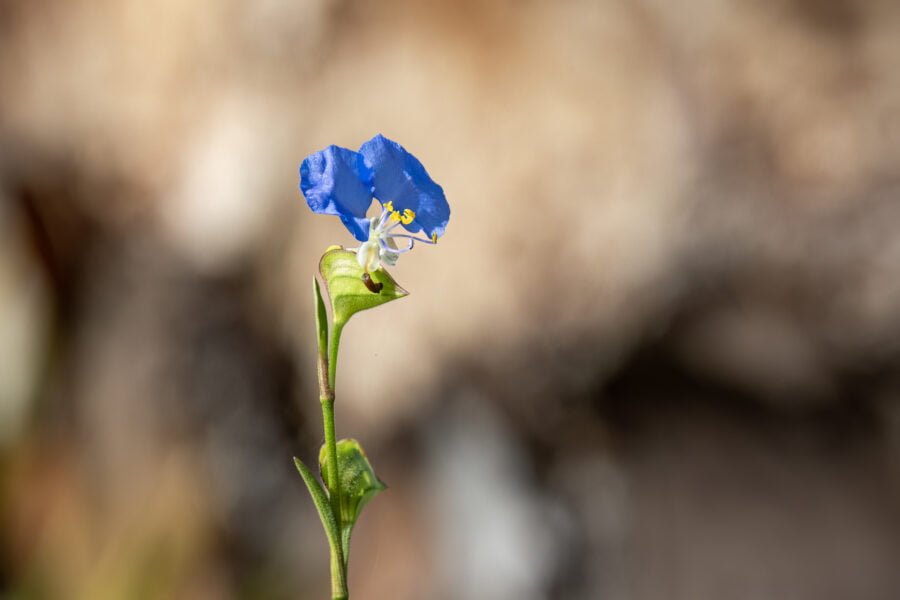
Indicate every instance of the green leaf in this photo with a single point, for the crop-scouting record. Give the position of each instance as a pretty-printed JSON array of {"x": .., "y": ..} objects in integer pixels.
[
  {"x": 321, "y": 319},
  {"x": 320, "y": 499},
  {"x": 347, "y": 289},
  {"x": 358, "y": 482}
]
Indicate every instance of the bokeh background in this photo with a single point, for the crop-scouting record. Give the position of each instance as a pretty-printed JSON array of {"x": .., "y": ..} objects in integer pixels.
[{"x": 655, "y": 356}]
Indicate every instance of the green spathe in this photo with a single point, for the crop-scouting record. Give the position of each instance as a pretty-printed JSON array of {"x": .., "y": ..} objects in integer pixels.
[
  {"x": 358, "y": 482},
  {"x": 348, "y": 292}
]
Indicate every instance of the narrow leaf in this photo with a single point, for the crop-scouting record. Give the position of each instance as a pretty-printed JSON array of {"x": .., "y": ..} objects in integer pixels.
[
  {"x": 321, "y": 318},
  {"x": 321, "y": 501}
]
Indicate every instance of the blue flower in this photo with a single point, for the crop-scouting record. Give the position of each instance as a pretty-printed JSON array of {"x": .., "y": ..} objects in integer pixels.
[{"x": 338, "y": 181}]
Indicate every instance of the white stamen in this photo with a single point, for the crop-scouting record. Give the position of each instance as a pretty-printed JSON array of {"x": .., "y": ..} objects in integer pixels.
[{"x": 381, "y": 245}]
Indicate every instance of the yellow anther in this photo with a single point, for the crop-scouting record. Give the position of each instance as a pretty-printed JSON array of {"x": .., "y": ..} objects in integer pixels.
[
  {"x": 408, "y": 216},
  {"x": 395, "y": 216},
  {"x": 434, "y": 238},
  {"x": 388, "y": 206}
]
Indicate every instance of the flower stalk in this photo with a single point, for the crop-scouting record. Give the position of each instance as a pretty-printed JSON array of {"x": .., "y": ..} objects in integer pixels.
[{"x": 326, "y": 374}]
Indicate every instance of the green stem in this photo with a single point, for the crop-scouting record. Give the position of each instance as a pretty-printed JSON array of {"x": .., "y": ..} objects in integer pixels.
[
  {"x": 327, "y": 370},
  {"x": 326, "y": 383},
  {"x": 338, "y": 577},
  {"x": 338, "y": 572}
]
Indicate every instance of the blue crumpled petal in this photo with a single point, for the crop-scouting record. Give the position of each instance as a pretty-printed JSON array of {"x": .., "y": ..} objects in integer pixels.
[
  {"x": 399, "y": 177},
  {"x": 336, "y": 181}
]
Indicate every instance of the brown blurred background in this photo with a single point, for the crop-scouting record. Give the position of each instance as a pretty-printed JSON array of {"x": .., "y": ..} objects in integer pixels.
[{"x": 655, "y": 356}]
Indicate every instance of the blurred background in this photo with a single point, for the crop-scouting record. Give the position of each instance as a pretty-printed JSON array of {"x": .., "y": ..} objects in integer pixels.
[{"x": 655, "y": 356}]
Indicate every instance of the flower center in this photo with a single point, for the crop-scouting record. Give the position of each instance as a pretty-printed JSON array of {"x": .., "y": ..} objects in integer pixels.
[{"x": 382, "y": 245}]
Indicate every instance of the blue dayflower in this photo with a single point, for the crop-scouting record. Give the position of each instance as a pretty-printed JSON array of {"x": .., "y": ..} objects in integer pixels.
[{"x": 338, "y": 181}]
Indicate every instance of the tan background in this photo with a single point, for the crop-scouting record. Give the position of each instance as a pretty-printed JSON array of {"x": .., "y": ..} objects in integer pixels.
[{"x": 655, "y": 356}]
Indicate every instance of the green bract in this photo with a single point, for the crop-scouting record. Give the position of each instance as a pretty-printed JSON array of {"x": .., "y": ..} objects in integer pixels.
[
  {"x": 347, "y": 289},
  {"x": 358, "y": 483}
]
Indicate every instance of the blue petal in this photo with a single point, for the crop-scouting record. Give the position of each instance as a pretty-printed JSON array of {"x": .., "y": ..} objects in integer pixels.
[
  {"x": 336, "y": 181},
  {"x": 398, "y": 176}
]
